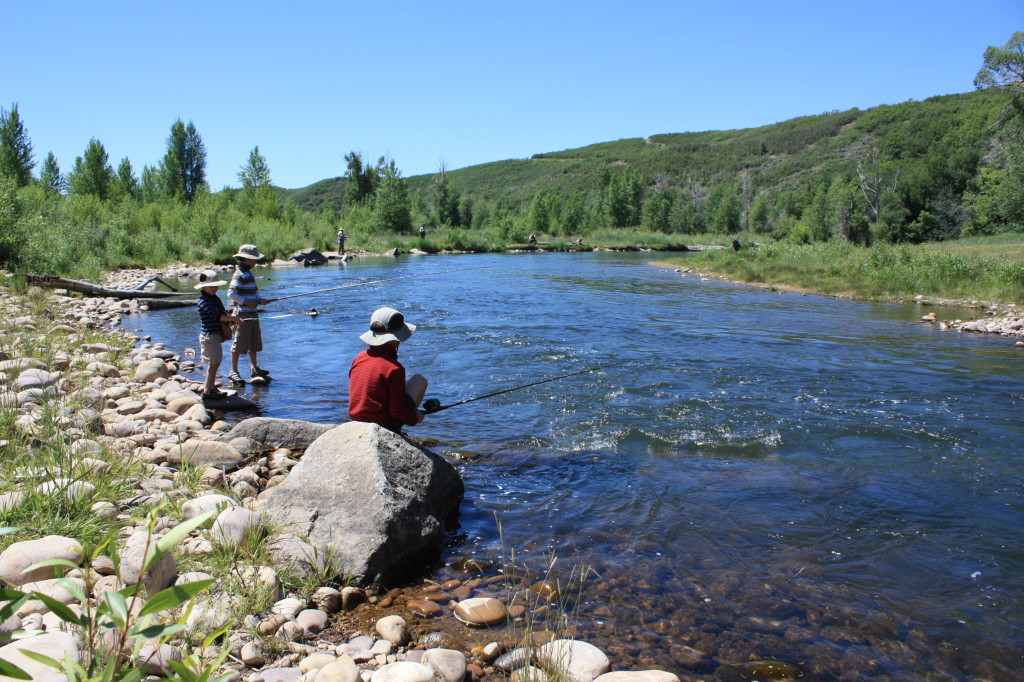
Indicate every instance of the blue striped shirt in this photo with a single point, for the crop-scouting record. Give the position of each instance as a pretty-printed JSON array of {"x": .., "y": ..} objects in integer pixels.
[
  {"x": 210, "y": 311},
  {"x": 243, "y": 288}
]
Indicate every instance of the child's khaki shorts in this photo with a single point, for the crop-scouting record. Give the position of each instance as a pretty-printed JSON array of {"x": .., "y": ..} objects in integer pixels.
[
  {"x": 247, "y": 337},
  {"x": 211, "y": 348}
]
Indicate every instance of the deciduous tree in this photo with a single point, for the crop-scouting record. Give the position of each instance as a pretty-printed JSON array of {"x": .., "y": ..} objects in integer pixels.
[
  {"x": 15, "y": 148},
  {"x": 391, "y": 205},
  {"x": 257, "y": 189},
  {"x": 1003, "y": 65}
]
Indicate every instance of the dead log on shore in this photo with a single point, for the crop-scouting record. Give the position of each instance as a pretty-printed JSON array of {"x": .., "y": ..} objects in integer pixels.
[{"x": 88, "y": 289}]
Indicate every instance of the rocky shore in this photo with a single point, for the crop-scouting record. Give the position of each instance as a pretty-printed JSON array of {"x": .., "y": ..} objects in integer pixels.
[{"x": 108, "y": 452}]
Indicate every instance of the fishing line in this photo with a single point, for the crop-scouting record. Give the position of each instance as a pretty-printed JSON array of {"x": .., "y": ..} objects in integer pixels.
[
  {"x": 377, "y": 281},
  {"x": 434, "y": 405}
]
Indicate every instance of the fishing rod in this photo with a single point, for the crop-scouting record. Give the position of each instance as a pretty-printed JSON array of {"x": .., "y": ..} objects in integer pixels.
[
  {"x": 434, "y": 405},
  {"x": 376, "y": 281}
]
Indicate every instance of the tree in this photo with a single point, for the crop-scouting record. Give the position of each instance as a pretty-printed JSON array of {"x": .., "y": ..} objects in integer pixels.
[
  {"x": 391, "y": 205},
  {"x": 93, "y": 174},
  {"x": 50, "y": 175},
  {"x": 875, "y": 182},
  {"x": 446, "y": 203},
  {"x": 657, "y": 212},
  {"x": 624, "y": 199},
  {"x": 726, "y": 209},
  {"x": 126, "y": 184},
  {"x": 183, "y": 169},
  {"x": 15, "y": 148},
  {"x": 361, "y": 180},
  {"x": 257, "y": 189},
  {"x": 1003, "y": 65}
]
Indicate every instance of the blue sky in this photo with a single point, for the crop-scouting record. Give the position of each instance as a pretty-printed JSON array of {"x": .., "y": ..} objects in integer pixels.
[{"x": 463, "y": 83}]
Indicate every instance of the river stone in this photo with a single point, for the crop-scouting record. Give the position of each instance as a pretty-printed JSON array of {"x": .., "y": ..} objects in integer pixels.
[
  {"x": 156, "y": 659},
  {"x": 280, "y": 675},
  {"x": 233, "y": 525},
  {"x": 289, "y": 607},
  {"x": 131, "y": 407},
  {"x": 66, "y": 488},
  {"x": 298, "y": 555},
  {"x": 389, "y": 519},
  {"x": 151, "y": 370},
  {"x": 394, "y": 629},
  {"x": 20, "y": 555},
  {"x": 181, "y": 405},
  {"x": 57, "y": 645},
  {"x": 313, "y": 621},
  {"x": 204, "y": 453},
  {"x": 480, "y": 611},
  {"x": 160, "y": 575},
  {"x": 34, "y": 378},
  {"x": 513, "y": 660},
  {"x": 9, "y": 501},
  {"x": 213, "y": 612},
  {"x": 579, "y": 661},
  {"x": 271, "y": 623},
  {"x": 638, "y": 676},
  {"x": 277, "y": 433},
  {"x": 252, "y": 655},
  {"x": 341, "y": 670},
  {"x": 316, "y": 661},
  {"x": 290, "y": 632},
  {"x": 448, "y": 665},
  {"x": 19, "y": 365},
  {"x": 528, "y": 673},
  {"x": 206, "y": 503},
  {"x": 404, "y": 671},
  {"x": 103, "y": 369}
]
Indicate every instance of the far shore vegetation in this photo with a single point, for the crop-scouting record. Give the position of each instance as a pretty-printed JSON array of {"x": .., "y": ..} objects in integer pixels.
[{"x": 896, "y": 200}]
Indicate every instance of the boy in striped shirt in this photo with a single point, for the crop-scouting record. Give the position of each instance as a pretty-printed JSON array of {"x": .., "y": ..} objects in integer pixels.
[
  {"x": 211, "y": 314},
  {"x": 244, "y": 292}
]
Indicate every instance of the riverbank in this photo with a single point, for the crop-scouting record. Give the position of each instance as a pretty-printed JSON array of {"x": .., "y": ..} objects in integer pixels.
[
  {"x": 95, "y": 426},
  {"x": 923, "y": 276}
]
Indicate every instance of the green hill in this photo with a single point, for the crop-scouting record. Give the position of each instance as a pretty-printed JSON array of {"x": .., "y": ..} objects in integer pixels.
[{"x": 930, "y": 151}]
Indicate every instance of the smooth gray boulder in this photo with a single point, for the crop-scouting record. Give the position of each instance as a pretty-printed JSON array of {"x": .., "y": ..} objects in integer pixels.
[
  {"x": 277, "y": 433},
  {"x": 370, "y": 500}
]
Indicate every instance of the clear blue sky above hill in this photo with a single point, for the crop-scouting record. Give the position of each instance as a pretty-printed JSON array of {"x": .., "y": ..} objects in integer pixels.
[{"x": 462, "y": 83}]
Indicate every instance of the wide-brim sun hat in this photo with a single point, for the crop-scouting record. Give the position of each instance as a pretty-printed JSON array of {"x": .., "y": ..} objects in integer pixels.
[
  {"x": 249, "y": 251},
  {"x": 209, "y": 278},
  {"x": 387, "y": 324}
]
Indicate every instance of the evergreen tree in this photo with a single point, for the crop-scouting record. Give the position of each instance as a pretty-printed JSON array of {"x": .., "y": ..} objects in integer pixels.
[
  {"x": 93, "y": 174},
  {"x": 15, "y": 148},
  {"x": 257, "y": 189},
  {"x": 126, "y": 184},
  {"x": 50, "y": 175},
  {"x": 391, "y": 205},
  {"x": 183, "y": 169}
]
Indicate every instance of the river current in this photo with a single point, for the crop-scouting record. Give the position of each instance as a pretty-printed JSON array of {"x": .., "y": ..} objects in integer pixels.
[{"x": 746, "y": 475}]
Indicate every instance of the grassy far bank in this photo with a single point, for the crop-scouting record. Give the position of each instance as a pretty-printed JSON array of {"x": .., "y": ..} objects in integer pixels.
[{"x": 982, "y": 269}]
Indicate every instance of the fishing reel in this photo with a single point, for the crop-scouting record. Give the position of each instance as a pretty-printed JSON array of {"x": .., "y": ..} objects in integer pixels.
[{"x": 432, "y": 405}]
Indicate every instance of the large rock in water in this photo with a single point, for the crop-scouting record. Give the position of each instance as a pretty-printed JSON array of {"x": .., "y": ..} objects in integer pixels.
[
  {"x": 308, "y": 257},
  {"x": 369, "y": 499},
  {"x": 277, "y": 433}
]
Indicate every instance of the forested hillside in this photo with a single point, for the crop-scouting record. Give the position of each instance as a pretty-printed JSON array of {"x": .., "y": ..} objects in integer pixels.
[{"x": 907, "y": 172}]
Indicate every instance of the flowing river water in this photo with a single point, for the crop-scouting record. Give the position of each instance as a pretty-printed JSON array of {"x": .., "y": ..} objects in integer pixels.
[{"x": 750, "y": 475}]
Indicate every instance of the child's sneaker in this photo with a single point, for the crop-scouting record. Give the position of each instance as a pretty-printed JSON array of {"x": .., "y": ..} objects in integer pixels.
[
  {"x": 236, "y": 379},
  {"x": 214, "y": 394},
  {"x": 257, "y": 372}
]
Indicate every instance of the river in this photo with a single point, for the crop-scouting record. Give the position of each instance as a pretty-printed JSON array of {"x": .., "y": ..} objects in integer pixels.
[{"x": 750, "y": 474}]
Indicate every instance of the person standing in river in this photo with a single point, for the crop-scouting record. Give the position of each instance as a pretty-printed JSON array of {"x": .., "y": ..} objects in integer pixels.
[
  {"x": 377, "y": 389},
  {"x": 341, "y": 241},
  {"x": 244, "y": 292}
]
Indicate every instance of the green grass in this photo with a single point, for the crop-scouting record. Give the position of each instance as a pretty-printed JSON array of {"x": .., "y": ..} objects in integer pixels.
[{"x": 987, "y": 269}]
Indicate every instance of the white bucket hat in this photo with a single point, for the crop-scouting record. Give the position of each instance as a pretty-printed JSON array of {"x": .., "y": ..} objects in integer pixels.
[
  {"x": 387, "y": 324},
  {"x": 249, "y": 251},
  {"x": 209, "y": 278}
]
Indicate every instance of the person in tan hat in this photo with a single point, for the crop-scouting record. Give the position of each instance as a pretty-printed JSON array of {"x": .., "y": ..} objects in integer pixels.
[
  {"x": 211, "y": 338},
  {"x": 377, "y": 389},
  {"x": 246, "y": 295}
]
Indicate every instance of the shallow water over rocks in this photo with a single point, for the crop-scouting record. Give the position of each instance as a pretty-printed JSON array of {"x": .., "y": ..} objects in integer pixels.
[{"x": 752, "y": 477}]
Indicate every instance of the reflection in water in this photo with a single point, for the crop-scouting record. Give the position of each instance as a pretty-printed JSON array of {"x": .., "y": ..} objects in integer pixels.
[{"x": 753, "y": 475}]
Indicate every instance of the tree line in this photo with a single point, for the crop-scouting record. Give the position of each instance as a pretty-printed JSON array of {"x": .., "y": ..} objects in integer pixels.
[{"x": 916, "y": 171}]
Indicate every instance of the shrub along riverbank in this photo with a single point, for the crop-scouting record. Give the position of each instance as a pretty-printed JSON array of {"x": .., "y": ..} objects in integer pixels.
[{"x": 980, "y": 269}]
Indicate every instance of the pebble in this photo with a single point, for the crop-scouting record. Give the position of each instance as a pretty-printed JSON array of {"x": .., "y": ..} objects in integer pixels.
[{"x": 480, "y": 611}]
